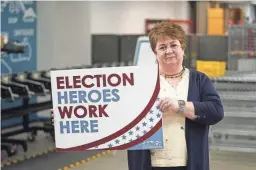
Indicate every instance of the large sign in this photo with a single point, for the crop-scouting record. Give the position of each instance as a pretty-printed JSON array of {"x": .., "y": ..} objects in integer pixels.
[{"x": 107, "y": 108}]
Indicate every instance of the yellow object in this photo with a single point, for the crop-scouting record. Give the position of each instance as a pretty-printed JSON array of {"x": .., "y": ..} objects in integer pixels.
[
  {"x": 211, "y": 68},
  {"x": 109, "y": 151},
  {"x": 216, "y": 20},
  {"x": 26, "y": 157},
  {"x": 83, "y": 161}
]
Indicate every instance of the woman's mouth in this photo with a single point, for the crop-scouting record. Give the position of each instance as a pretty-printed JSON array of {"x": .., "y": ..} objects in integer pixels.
[{"x": 170, "y": 57}]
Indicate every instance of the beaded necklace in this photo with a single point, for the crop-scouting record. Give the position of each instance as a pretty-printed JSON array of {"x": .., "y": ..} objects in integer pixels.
[{"x": 174, "y": 75}]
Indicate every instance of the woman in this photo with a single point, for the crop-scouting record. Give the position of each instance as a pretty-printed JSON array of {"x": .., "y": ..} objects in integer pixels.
[{"x": 190, "y": 104}]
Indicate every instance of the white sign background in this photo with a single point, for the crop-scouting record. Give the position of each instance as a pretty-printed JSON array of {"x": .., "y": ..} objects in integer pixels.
[{"x": 133, "y": 100}]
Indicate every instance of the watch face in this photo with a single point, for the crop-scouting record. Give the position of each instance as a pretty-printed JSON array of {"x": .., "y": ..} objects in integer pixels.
[{"x": 181, "y": 102}]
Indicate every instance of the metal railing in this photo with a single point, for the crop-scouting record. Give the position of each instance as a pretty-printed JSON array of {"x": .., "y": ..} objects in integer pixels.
[{"x": 237, "y": 131}]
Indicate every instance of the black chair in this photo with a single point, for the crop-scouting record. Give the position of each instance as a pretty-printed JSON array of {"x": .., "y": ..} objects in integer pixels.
[{"x": 23, "y": 87}]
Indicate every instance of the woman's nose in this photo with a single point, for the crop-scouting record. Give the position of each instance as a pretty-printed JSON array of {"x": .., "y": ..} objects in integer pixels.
[{"x": 169, "y": 50}]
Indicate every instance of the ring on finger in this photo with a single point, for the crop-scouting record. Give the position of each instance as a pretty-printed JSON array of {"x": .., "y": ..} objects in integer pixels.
[{"x": 166, "y": 105}]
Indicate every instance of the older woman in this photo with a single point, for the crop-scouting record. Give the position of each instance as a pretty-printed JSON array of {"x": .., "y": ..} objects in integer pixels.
[{"x": 190, "y": 104}]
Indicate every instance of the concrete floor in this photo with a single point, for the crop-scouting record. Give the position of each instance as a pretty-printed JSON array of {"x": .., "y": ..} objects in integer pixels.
[
  {"x": 41, "y": 155},
  {"x": 219, "y": 161},
  {"x": 95, "y": 160}
]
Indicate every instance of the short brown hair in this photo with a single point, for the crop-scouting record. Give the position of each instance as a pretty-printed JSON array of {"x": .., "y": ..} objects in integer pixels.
[{"x": 168, "y": 29}]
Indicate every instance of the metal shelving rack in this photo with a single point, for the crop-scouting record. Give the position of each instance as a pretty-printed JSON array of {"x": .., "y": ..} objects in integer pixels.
[
  {"x": 242, "y": 47},
  {"x": 237, "y": 131}
]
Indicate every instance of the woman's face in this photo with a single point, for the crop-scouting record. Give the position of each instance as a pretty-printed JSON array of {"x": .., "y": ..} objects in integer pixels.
[{"x": 169, "y": 52}]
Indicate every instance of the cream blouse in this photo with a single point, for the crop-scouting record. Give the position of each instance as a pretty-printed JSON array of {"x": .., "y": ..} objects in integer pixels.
[{"x": 174, "y": 152}]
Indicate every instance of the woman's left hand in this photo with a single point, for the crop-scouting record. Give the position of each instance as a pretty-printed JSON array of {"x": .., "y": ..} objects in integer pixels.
[{"x": 168, "y": 104}]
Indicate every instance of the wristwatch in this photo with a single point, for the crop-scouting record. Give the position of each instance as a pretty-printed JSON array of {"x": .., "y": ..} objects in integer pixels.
[{"x": 181, "y": 106}]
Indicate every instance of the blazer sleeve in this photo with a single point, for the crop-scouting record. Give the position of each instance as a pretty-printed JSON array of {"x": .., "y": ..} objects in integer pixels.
[{"x": 209, "y": 110}]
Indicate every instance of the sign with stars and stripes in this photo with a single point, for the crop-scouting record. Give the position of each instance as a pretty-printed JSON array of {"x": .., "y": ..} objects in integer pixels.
[{"x": 112, "y": 108}]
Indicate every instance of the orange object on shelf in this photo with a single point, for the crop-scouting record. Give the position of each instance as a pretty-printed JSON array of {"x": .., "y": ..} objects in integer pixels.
[
  {"x": 236, "y": 16},
  {"x": 216, "y": 21}
]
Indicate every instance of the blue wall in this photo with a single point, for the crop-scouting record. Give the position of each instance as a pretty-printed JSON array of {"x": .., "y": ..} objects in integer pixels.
[{"x": 18, "y": 22}]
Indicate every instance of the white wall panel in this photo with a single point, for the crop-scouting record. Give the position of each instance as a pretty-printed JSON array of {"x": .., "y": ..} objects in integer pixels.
[
  {"x": 64, "y": 37},
  {"x": 45, "y": 34},
  {"x": 129, "y": 17},
  {"x": 65, "y": 27}
]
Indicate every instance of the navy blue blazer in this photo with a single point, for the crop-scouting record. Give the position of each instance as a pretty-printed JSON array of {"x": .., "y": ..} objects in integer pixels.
[{"x": 209, "y": 111}]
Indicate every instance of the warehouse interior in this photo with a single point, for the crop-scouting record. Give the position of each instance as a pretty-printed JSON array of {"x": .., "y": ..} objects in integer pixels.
[{"x": 40, "y": 36}]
